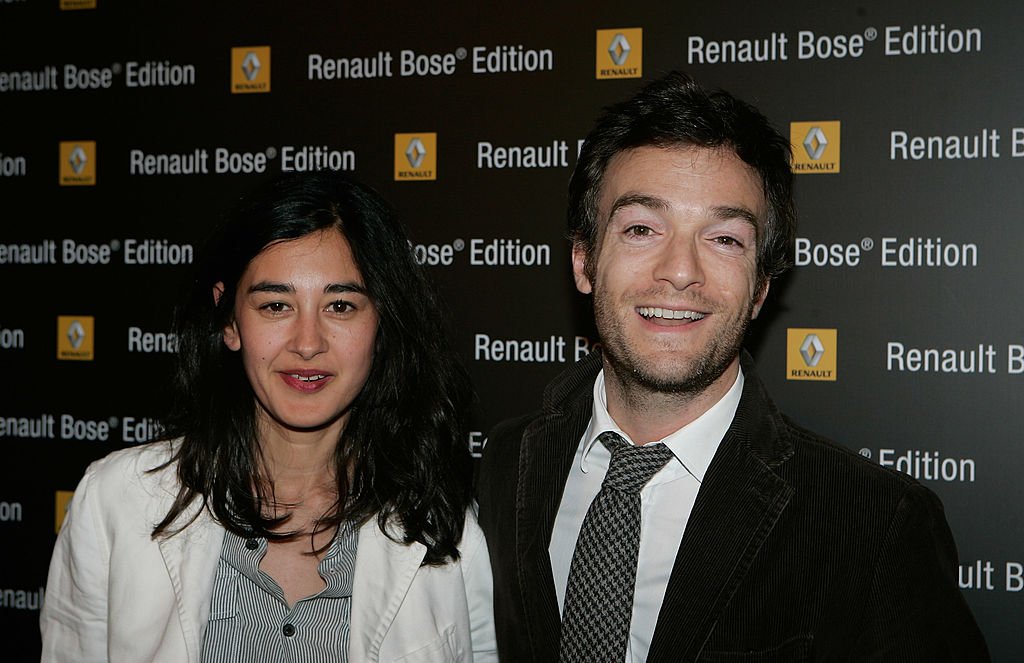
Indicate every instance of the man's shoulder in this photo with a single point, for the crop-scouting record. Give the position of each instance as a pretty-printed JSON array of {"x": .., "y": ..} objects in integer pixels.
[
  {"x": 805, "y": 458},
  {"x": 509, "y": 431},
  {"x": 570, "y": 391},
  {"x": 824, "y": 464},
  {"x": 501, "y": 453}
]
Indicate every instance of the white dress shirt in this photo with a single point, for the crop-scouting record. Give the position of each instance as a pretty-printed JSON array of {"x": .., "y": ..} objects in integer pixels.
[{"x": 665, "y": 504}]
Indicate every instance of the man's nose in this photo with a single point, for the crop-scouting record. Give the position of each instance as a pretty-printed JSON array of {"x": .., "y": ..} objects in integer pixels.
[{"x": 679, "y": 263}]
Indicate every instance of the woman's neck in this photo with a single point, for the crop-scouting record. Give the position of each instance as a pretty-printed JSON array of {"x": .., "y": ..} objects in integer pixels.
[{"x": 300, "y": 464}]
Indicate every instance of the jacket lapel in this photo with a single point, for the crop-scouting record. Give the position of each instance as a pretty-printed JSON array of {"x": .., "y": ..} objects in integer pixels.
[
  {"x": 191, "y": 558},
  {"x": 383, "y": 574},
  {"x": 548, "y": 447},
  {"x": 737, "y": 506}
]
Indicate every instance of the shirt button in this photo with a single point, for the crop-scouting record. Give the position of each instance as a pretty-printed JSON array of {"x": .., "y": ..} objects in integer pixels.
[
  {"x": 251, "y": 544},
  {"x": 288, "y": 630}
]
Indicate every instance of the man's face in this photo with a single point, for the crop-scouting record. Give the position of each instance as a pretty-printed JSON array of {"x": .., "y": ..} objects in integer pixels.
[{"x": 674, "y": 277}]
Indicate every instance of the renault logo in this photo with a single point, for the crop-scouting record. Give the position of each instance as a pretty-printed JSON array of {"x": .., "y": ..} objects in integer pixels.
[
  {"x": 815, "y": 143},
  {"x": 812, "y": 350},
  {"x": 415, "y": 152},
  {"x": 76, "y": 334},
  {"x": 250, "y": 66},
  {"x": 78, "y": 159},
  {"x": 619, "y": 49}
]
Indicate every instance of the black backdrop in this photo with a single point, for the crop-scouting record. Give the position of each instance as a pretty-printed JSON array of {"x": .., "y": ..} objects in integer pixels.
[{"x": 912, "y": 114}]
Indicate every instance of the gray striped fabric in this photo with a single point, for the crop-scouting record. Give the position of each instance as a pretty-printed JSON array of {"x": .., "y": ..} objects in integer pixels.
[{"x": 250, "y": 620}]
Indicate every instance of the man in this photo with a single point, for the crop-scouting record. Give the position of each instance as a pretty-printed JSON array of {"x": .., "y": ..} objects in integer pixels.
[{"x": 659, "y": 507}]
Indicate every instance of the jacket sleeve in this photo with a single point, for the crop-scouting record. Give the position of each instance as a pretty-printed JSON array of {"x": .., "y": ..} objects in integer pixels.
[
  {"x": 916, "y": 612},
  {"x": 479, "y": 593},
  {"x": 73, "y": 618}
]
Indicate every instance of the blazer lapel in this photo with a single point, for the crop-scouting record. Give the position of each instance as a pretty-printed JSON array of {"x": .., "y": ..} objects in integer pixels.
[
  {"x": 544, "y": 465},
  {"x": 737, "y": 506},
  {"x": 548, "y": 447},
  {"x": 191, "y": 558},
  {"x": 384, "y": 572}
]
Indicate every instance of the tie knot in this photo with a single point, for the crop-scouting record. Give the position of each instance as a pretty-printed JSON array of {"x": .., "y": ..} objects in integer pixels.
[{"x": 632, "y": 466}]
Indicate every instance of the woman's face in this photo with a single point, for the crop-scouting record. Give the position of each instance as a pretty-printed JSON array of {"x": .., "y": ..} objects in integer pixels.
[{"x": 306, "y": 328}]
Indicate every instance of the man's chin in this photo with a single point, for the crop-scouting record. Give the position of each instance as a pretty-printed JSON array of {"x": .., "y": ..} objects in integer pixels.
[{"x": 671, "y": 374}]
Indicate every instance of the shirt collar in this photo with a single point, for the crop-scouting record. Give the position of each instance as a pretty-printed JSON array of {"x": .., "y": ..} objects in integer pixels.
[{"x": 694, "y": 445}]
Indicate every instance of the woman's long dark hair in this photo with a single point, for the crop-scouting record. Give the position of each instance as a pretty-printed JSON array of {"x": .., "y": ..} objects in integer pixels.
[{"x": 404, "y": 445}]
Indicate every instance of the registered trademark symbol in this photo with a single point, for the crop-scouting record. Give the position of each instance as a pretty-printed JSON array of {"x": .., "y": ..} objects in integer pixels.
[
  {"x": 871, "y": 34},
  {"x": 460, "y": 53},
  {"x": 865, "y": 452},
  {"x": 271, "y": 152},
  {"x": 867, "y": 243},
  {"x": 116, "y": 67},
  {"x": 459, "y": 244},
  {"x": 113, "y": 422},
  {"x": 115, "y": 245}
]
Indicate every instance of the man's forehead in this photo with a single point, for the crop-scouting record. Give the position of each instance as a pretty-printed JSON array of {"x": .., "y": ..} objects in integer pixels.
[{"x": 627, "y": 175}]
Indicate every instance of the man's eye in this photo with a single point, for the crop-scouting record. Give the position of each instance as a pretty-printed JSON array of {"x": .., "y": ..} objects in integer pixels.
[
  {"x": 639, "y": 231},
  {"x": 728, "y": 241}
]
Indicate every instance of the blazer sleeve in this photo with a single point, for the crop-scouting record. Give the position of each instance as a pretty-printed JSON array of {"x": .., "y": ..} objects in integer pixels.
[
  {"x": 476, "y": 568},
  {"x": 916, "y": 612},
  {"x": 73, "y": 619}
]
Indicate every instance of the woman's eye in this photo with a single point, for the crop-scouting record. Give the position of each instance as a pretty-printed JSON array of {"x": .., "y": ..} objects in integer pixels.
[
  {"x": 274, "y": 307},
  {"x": 340, "y": 307}
]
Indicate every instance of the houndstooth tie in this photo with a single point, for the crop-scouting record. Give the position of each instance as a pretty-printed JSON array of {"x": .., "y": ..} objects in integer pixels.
[{"x": 599, "y": 594}]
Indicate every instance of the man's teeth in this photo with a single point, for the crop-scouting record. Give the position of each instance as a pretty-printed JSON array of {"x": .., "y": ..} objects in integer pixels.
[
  {"x": 308, "y": 378},
  {"x": 668, "y": 314}
]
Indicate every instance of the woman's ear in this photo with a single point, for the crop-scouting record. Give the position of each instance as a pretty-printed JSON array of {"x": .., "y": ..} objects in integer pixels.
[{"x": 231, "y": 338}]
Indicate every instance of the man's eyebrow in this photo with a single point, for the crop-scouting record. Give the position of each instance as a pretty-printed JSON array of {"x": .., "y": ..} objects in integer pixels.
[
  {"x": 727, "y": 212},
  {"x": 722, "y": 212},
  {"x": 644, "y": 200}
]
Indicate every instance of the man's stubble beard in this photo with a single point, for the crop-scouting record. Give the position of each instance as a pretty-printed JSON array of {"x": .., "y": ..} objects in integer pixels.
[{"x": 640, "y": 376}]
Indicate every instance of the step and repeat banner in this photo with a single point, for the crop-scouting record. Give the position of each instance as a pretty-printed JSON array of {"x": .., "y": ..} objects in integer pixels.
[{"x": 127, "y": 129}]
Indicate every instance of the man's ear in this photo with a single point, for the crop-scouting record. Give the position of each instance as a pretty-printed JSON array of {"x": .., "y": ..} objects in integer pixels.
[
  {"x": 579, "y": 268},
  {"x": 231, "y": 338},
  {"x": 759, "y": 299}
]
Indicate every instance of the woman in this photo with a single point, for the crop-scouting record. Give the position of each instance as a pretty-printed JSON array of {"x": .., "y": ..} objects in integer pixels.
[{"x": 310, "y": 500}]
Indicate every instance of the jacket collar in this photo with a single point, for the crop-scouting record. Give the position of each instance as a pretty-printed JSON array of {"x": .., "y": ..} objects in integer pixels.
[{"x": 758, "y": 422}]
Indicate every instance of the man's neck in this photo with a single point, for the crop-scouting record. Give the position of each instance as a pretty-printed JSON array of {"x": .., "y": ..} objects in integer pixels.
[{"x": 648, "y": 416}]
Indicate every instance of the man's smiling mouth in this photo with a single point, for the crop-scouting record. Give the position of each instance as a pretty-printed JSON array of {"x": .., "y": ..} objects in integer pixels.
[{"x": 668, "y": 314}]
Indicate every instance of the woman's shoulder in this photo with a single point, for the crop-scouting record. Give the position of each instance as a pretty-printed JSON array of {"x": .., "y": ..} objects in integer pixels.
[
  {"x": 142, "y": 457},
  {"x": 147, "y": 467}
]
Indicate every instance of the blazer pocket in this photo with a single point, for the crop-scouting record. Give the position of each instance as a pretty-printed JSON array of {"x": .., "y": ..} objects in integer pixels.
[
  {"x": 794, "y": 650},
  {"x": 439, "y": 651}
]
